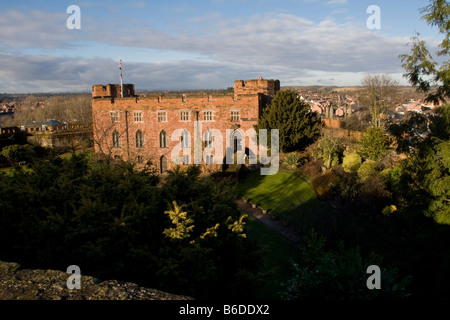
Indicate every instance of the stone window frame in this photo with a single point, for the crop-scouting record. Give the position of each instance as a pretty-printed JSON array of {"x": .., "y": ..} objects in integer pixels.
[
  {"x": 161, "y": 115},
  {"x": 115, "y": 116},
  {"x": 185, "y": 139},
  {"x": 139, "y": 139},
  {"x": 206, "y": 116},
  {"x": 116, "y": 139},
  {"x": 184, "y": 114},
  {"x": 235, "y": 115},
  {"x": 209, "y": 139},
  {"x": 163, "y": 141},
  {"x": 138, "y": 116},
  {"x": 163, "y": 160}
]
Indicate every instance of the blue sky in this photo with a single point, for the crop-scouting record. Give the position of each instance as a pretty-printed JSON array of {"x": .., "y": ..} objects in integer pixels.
[{"x": 202, "y": 44}]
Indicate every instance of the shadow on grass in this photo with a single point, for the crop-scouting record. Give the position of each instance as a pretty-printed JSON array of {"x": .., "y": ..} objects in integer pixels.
[
  {"x": 276, "y": 253},
  {"x": 289, "y": 198}
]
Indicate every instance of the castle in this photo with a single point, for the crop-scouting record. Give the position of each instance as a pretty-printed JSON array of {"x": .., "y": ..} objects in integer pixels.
[{"x": 139, "y": 128}]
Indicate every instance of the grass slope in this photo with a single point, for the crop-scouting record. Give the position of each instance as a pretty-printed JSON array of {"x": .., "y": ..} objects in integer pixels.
[
  {"x": 285, "y": 195},
  {"x": 293, "y": 201},
  {"x": 276, "y": 251}
]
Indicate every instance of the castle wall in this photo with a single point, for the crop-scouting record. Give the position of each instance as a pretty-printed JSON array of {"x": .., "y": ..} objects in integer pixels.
[
  {"x": 260, "y": 85},
  {"x": 112, "y": 90},
  {"x": 248, "y": 105}
]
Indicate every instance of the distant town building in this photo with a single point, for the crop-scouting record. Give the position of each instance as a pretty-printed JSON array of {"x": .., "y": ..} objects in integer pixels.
[{"x": 52, "y": 133}]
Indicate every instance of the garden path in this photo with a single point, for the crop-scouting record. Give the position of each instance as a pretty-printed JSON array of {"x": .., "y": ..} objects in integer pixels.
[{"x": 275, "y": 224}]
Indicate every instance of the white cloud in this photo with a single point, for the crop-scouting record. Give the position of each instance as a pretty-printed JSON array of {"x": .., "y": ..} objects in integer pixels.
[
  {"x": 272, "y": 45},
  {"x": 336, "y": 2}
]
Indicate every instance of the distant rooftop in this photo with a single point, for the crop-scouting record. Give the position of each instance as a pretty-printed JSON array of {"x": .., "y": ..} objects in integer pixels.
[{"x": 50, "y": 122}]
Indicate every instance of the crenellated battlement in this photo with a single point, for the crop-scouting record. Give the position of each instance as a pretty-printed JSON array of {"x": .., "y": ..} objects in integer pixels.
[
  {"x": 268, "y": 87},
  {"x": 112, "y": 91}
]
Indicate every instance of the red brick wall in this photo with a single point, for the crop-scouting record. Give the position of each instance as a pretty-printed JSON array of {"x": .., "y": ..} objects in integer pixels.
[
  {"x": 112, "y": 90},
  {"x": 332, "y": 123},
  {"x": 248, "y": 105},
  {"x": 260, "y": 85}
]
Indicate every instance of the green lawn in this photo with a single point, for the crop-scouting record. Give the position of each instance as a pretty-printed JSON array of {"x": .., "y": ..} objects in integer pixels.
[
  {"x": 89, "y": 155},
  {"x": 293, "y": 201},
  {"x": 276, "y": 253},
  {"x": 285, "y": 195}
]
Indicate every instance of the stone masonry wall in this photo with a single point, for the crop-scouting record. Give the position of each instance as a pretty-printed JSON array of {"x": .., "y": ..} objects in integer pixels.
[
  {"x": 194, "y": 106},
  {"x": 29, "y": 284}
]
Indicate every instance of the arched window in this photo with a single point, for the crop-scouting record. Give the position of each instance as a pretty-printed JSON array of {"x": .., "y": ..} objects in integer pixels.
[
  {"x": 163, "y": 139},
  {"x": 186, "y": 143},
  {"x": 185, "y": 139},
  {"x": 237, "y": 141},
  {"x": 209, "y": 143},
  {"x": 139, "y": 139},
  {"x": 116, "y": 139},
  {"x": 163, "y": 164},
  {"x": 209, "y": 159}
]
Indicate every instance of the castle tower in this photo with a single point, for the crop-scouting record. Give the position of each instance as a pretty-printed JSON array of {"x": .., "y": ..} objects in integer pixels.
[
  {"x": 260, "y": 85},
  {"x": 112, "y": 91},
  {"x": 265, "y": 88}
]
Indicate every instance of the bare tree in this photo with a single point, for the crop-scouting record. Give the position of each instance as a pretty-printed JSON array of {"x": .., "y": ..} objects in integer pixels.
[
  {"x": 79, "y": 109},
  {"x": 102, "y": 137},
  {"x": 24, "y": 111},
  {"x": 378, "y": 95},
  {"x": 70, "y": 108}
]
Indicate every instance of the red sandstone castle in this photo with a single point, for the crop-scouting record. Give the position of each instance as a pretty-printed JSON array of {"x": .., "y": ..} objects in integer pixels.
[{"x": 141, "y": 128}]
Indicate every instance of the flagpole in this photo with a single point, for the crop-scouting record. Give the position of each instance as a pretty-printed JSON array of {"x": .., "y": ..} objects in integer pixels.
[{"x": 121, "y": 85}]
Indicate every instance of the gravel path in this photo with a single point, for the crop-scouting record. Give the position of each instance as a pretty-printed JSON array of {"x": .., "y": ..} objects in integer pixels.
[{"x": 286, "y": 231}]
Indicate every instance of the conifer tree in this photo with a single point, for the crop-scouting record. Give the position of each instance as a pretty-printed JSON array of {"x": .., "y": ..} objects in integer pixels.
[
  {"x": 298, "y": 126},
  {"x": 425, "y": 181},
  {"x": 422, "y": 70},
  {"x": 374, "y": 144}
]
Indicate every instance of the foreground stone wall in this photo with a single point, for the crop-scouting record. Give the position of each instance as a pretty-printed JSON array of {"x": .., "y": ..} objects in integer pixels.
[{"x": 26, "y": 284}]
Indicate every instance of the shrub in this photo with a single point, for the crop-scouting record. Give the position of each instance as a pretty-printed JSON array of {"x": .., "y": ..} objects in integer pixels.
[
  {"x": 312, "y": 169},
  {"x": 374, "y": 192},
  {"x": 292, "y": 160},
  {"x": 121, "y": 223},
  {"x": 349, "y": 186},
  {"x": 368, "y": 168},
  {"x": 323, "y": 274},
  {"x": 351, "y": 162},
  {"x": 3, "y": 161},
  {"x": 394, "y": 178},
  {"x": 389, "y": 209},
  {"x": 17, "y": 153},
  {"x": 314, "y": 151},
  {"x": 385, "y": 175},
  {"x": 324, "y": 185},
  {"x": 335, "y": 160}
]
